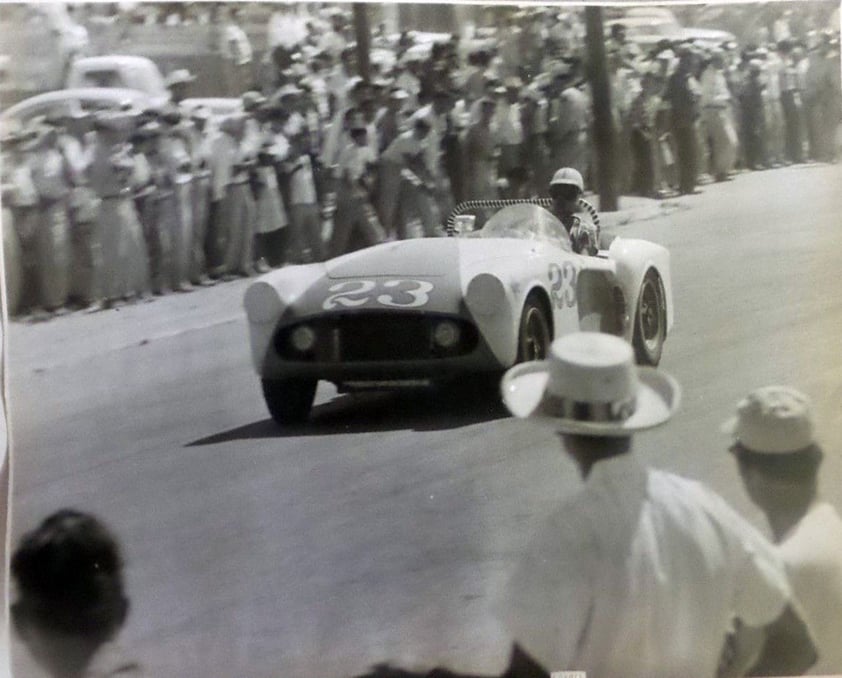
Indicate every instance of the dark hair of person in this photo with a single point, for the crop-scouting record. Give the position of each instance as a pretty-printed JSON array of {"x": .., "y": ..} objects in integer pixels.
[
  {"x": 69, "y": 576},
  {"x": 801, "y": 466}
]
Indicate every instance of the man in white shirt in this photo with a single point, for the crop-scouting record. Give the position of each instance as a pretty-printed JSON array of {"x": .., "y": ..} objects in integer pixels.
[
  {"x": 779, "y": 459},
  {"x": 716, "y": 117}
]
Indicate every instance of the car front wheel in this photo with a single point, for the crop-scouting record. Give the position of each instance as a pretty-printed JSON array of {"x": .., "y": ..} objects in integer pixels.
[
  {"x": 650, "y": 327},
  {"x": 289, "y": 400},
  {"x": 534, "y": 338}
]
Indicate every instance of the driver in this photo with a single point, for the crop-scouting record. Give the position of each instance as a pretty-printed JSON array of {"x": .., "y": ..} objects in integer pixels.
[{"x": 566, "y": 188}]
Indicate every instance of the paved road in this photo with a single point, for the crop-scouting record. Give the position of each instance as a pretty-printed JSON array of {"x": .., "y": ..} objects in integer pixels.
[{"x": 384, "y": 529}]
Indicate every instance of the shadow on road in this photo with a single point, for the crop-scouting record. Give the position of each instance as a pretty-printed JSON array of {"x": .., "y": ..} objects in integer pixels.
[{"x": 432, "y": 410}]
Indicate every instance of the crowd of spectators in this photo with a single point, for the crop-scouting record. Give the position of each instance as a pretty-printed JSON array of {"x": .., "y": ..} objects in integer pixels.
[{"x": 316, "y": 161}]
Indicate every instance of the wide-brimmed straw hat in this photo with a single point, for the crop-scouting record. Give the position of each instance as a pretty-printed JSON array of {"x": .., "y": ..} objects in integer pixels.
[
  {"x": 590, "y": 385},
  {"x": 772, "y": 420}
]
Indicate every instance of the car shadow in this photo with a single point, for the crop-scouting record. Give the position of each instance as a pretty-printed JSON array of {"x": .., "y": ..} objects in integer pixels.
[{"x": 422, "y": 410}]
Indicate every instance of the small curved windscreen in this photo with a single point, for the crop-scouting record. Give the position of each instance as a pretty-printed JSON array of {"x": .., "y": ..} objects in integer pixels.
[{"x": 525, "y": 222}]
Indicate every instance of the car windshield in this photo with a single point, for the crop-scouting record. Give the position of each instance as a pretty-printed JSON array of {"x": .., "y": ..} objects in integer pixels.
[{"x": 525, "y": 222}]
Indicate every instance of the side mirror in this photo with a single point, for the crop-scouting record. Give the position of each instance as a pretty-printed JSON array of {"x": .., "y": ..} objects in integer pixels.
[{"x": 464, "y": 223}]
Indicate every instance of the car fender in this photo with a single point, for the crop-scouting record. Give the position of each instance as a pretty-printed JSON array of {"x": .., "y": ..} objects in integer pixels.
[
  {"x": 633, "y": 258},
  {"x": 268, "y": 298}
]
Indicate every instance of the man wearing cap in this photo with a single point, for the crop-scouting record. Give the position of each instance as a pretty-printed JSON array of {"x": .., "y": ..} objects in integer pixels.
[
  {"x": 566, "y": 188},
  {"x": 778, "y": 458},
  {"x": 178, "y": 82},
  {"x": 682, "y": 93}
]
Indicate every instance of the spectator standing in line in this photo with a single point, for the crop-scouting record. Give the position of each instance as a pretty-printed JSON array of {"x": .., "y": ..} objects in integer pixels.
[
  {"x": 682, "y": 94},
  {"x": 305, "y": 216},
  {"x": 779, "y": 460},
  {"x": 791, "y": 104},
  {"x": 754, "y": 117},
  {"x": 407, "y": 181},
  {"x": 774, "y": 137},
  {"x": 71, "y": 601},
  {"x": 533, "y": 118},
  {"x": 125, "y": 265},
  {"x": 355, "y": 219},
  {"x": 391, "y": 119},
  {"x": 720, "y": 135},
  {"x": 508, "y": 132},
  {"x": 480, "y": 154},
  {"x": 52, "y": 239},
  {"x": 199, "y": 134},
  {"x": 643, "y": 137},
  {"x": 568, "y": 120}
]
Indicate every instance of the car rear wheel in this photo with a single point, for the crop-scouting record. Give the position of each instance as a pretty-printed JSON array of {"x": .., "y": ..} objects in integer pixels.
[
  {"x": 650, "y": 327},
  {"x": 535, "y": 337},
  {"x": 289, "y": 400}
]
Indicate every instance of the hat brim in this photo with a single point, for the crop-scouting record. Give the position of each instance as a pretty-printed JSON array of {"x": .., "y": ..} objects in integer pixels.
[{"x": 657, "y": 399}]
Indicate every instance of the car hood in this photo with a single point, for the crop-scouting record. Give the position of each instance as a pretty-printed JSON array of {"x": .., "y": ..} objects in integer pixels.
[{"x": 421, "y": 257}]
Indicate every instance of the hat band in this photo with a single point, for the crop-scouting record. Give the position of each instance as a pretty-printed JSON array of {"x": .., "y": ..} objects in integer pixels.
[{"x": 583, "y": 410}]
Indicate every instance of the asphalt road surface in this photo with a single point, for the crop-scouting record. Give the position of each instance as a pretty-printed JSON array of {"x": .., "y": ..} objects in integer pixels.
[{"x": 385, "y": 528}]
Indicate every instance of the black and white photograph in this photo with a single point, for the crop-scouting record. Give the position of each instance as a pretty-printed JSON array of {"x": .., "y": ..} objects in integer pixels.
[{"x": 421, "y": 340}]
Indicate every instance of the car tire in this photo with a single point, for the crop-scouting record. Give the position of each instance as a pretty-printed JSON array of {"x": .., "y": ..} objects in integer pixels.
[
  {"x": 289, "y": 400},
  {"x": 534, "y": 336},
  {"x": 650, "y": 326}
]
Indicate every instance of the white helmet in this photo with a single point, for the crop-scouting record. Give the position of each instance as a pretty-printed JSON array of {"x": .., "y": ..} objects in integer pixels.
[{"x": 567, "y": 176}]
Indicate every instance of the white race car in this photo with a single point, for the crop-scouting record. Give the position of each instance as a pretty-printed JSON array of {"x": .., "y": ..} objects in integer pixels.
[{"x": 426, "y": 310}]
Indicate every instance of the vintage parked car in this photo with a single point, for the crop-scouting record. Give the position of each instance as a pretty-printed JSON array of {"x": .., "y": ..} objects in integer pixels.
[
  {"x": 117, "y": 70},
  {"x": 427, "y": 310},
  {"x": 75, "y": 101}
]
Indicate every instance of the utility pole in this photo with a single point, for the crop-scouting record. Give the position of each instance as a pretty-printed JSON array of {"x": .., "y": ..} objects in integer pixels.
[
  {"x": 603, "y": 126},
  {"x": 363, "y": 35}
]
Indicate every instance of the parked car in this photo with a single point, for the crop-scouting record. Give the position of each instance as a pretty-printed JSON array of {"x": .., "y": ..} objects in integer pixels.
[
  {"x": 427, "y": 310},
  {"x": 128, "y": 72}
]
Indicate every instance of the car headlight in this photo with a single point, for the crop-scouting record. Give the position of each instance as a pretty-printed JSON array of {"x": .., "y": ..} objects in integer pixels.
[
  {"x": 303, "y": 338},
  {"x": 485, "y": 294},
  {"x": 446, "y": 334},
  {"x": 262, "y": 303}
]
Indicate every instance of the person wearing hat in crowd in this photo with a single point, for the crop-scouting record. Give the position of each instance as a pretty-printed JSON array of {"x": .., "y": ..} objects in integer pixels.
[
  {"x": 508, "y": 129},
  {"x": 719, "y": 133},
  {"x": 682, "y": 93},
  {"x": 407, "y": 180},
  {"x": 577, "y": 216},
  {"x": 791, "y": 103},
  {"x": 641, "y": 573},
  {"x": 199, "y": 136},
  {"x": 178, "y": 83},
  {"x": 446, "y": 148},
  {"x": 71, "y": 602},
  {"x": 355, "y": 221},
  {"x": 52, "y": 182},
  {"x": 775, "y": 447},
  {"x": 643, "y": 128},
  {"x": 533, "y": 118},
  {"x": 304, "y": 216},
  {"x": 125, "y": 270},
  {"x": 20, "y": 197},
  {"x": 752, "y": 105},
  {"x": 480, "y": 154},
  {"x": 568, "y": 124},
  {"x": 391, "y": 118}
]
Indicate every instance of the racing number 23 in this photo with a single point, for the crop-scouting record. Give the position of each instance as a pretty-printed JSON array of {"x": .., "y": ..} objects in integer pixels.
[
  {"x": 563, "y": 284},
  {"x": 354, "y": 293}
]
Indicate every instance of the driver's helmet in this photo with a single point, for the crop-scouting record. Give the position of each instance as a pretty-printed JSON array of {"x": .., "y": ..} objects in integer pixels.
[{"x": 567, "y": 176}]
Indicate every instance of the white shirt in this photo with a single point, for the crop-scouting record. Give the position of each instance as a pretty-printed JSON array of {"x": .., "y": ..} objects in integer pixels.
[
  {"x": 355, "y": 160},
  {"x": 302, "y": 188},
  {"x": 507, "y": 124},
  {"x": 237, "y": 47},
  {"x": 639, "y": 575},
  {"x": 812, "y": 553}
]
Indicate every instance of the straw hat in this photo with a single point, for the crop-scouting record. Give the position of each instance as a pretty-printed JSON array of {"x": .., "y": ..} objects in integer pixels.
[
  {"x": 772, "y": 420},
  {"x": 589, "y": 385}
]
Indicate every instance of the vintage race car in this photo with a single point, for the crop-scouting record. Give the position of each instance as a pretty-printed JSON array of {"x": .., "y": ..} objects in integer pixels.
[{"x": 426, "y": 310}]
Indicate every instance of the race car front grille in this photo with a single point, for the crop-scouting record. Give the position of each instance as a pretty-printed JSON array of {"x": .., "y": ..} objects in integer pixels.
[{"x": 376, "y": 337}]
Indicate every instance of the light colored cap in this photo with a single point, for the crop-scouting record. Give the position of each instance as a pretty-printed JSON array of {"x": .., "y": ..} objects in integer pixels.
[
  {"x": 568, "y": 176},
  {"x": 180, "y": 76},
  {"x": 772, "y": 420},
  {"x": 589, "y": 385}
]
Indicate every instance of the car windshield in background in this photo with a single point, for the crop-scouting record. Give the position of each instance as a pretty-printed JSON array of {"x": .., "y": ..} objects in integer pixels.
[{"x": 525, "y": 222}]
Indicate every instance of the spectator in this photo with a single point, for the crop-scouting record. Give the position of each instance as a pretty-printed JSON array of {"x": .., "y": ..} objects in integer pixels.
[
  {"x": 643, "y": 130},
  {"x": 682, "y": 94},
  {"x": 720, "y": 136},
  {"x": 305, "y": 221},
  {"x": 480, "y": 171},
  {"x": 791, "y": 104},
  {"x": 779, "y": 460},
  {"x": 237, "y": 54},
  {"x": 71, "y": 601}
]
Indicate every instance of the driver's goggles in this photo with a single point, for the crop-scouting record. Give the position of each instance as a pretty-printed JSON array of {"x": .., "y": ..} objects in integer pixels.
[{"x": 564, "y": 192}]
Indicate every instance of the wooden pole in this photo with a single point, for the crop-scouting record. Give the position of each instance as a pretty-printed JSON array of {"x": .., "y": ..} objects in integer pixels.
[
  {"x": 603, "y": 127},
  {"x": 363, "y": 35}
]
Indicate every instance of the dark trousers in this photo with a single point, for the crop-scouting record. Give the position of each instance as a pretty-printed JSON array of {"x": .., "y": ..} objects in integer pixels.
[
  {"x": 685, "y": 148},
  {"x": 643, "y": 181},
  {"x": 792, "y": 122}
]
